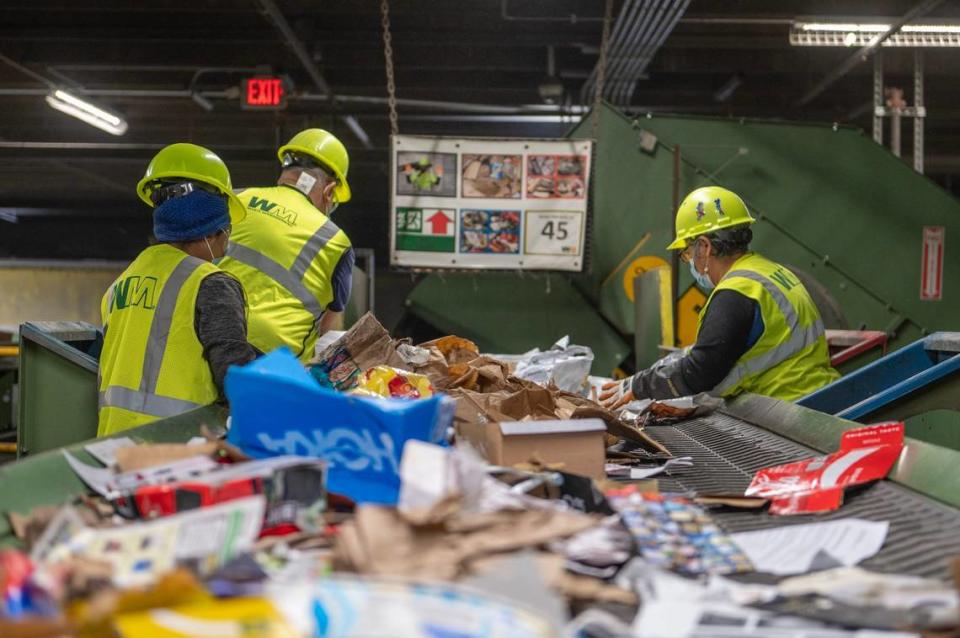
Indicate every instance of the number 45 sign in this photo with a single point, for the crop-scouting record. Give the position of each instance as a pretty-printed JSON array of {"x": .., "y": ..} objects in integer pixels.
[{"x": 553, "y": 232}]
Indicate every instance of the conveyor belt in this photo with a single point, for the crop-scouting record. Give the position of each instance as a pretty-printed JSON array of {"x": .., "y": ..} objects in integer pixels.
[{"x": 924, "y": 535}]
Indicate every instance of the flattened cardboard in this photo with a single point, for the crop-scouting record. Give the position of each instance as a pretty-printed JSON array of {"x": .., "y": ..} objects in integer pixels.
[
  {"x": 140, "y": 457},
  {"x": 737, "y": 501},
  {"x": 577, "y": 444}
]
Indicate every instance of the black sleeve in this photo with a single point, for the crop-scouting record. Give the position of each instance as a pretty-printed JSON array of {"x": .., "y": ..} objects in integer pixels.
[
  {"x": 221, "y": 323},
  {"x": 724, "y": 336},
  {"x": 342, "y": 281}
]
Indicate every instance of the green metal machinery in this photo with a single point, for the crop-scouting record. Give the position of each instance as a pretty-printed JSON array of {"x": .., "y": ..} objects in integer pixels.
[
  {"x": 58, "y": 385},
  {"x": 839, "y": 209}
]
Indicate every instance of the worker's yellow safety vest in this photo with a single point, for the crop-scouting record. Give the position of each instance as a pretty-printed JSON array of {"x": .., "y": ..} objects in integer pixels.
[
  {"x": 791, "y": 358},
  {"x": 284, "y": 253},
  {"x": 152, "y": 364}
]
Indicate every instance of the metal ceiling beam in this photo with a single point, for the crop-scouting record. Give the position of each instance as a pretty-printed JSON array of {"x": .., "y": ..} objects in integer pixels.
[
  {"x": 296, "y": 45},
  {"x": 293, "y": 41},
  {"x": 19, "y": 67},
  {"x": 861, "y": 56},
  {"x": 433, "y": 105}
]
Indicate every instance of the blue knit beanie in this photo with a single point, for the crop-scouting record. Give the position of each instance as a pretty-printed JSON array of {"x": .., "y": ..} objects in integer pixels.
[{"x": 193, "y": 216}]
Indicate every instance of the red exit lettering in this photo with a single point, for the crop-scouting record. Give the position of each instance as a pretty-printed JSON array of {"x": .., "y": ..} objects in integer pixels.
[{"x": 264, "y": 92}]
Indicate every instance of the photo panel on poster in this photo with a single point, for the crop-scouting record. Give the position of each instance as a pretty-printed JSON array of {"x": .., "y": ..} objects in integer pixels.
[
  {"x": 490, "y": 231},
  {"x": 427, "y": 174},
  {"x": 492, "y": 176},
  {"x": 556, "y": 176}
]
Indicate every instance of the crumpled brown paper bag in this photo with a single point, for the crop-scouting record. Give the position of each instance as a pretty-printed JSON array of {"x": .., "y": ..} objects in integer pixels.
[
  {"x": 366, "y": 345},
  {"x": 379, "y": 540}
]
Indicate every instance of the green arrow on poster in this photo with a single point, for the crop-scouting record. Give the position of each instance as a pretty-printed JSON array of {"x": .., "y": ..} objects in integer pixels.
[{"x": 426, "y": 229}]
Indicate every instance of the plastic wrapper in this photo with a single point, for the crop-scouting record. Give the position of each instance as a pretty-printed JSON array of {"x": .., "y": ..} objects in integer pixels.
[
  {"x": 565, "y": 366},
  {"x": 816, "y": 484},
  {"x": 385, "y": 381}
]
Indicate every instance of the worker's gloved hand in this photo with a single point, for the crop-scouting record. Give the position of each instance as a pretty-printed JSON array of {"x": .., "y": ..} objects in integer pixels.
[{"x": 617, "y": 393}]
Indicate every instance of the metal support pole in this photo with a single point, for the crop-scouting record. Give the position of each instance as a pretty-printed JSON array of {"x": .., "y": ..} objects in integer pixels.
[
  {"x": 878, "y": 97},
  {"x": 920, "y": 114},
  {"x": 895, "y": 131},
  {"x": 675, "y": 254}
]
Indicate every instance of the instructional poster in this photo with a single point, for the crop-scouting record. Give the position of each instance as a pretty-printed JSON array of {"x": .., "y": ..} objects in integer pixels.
[{"x": 489, "y": 203}]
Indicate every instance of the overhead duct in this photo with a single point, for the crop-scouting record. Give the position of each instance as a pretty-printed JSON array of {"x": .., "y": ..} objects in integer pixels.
[{"x": 638, "y": 32}]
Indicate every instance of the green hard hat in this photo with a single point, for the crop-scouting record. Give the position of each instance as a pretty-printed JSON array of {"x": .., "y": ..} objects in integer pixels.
[
  {"x": 183, "y": 161},
  {"x": 706, "y": 210},
  {"x": 323, "y": 147}
]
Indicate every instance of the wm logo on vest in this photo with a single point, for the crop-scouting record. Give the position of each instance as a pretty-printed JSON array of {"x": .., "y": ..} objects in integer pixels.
[
  {"x": 287, "y": 216},
  {"x": 134, "y": 291},
  {"x": 785, "y": 278}
]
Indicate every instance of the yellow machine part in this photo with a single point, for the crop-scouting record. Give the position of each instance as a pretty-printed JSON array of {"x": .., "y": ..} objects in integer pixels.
[{"x": 688, "y": 312}]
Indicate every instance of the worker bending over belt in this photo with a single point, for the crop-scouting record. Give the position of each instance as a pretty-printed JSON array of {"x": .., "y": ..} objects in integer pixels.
[
  {"x": 759, "y": 331},
  {"x": 173, "y": 321},
  {"x": 295, "y": 263}
]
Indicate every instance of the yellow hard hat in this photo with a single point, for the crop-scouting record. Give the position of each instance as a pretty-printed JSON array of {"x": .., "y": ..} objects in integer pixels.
[
  {"x": 325, "y": 148},
  {"x": 190, "y": 162},
  {"x": 708, "y": 209}
]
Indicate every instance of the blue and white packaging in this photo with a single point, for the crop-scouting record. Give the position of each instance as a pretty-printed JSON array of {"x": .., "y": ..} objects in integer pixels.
[{"x": 278, "y": 408}]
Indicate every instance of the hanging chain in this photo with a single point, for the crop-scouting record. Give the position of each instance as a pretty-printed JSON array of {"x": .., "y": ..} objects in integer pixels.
[
  {"x": 388, "y": 59},
  {"x": 601, "y": 67}
]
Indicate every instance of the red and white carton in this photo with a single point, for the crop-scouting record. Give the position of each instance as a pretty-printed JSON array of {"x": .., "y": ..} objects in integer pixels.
[{"x": 816, "y": 484}]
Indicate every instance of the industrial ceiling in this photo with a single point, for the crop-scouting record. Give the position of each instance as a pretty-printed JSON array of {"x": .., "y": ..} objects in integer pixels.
[{"x": 173, "y": 70}]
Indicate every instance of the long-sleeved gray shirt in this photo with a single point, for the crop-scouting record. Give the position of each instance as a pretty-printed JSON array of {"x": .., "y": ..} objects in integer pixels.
[{"x": 220, "y": 320}]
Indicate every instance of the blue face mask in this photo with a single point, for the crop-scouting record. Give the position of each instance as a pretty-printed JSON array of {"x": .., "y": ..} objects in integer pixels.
[{"x": 701, "y": 278}]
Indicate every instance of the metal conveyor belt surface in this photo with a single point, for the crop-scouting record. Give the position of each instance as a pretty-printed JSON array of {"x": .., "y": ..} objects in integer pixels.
[{"x": 924, "y": 534}]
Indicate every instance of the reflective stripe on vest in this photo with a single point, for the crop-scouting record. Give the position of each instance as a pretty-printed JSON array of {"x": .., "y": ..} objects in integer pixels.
[
  {"x": 800, "y": 338},
  {"x": 145, "y": 400},
  {"x": 292, "y": 278},
  {"x": 117, "y": 396}
]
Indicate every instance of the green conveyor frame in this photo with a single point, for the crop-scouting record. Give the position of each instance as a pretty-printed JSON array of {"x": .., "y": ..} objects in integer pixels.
[
  {"x": 58, "y": 385},
  {"x": 46, "y": 478}
]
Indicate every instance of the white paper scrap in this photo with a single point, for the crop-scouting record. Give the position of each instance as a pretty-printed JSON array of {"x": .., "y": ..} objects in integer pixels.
[
  {"x": 797, "y": 549},
  {"x": 105, "y": 450},
  {"x": 139, "y": 552},
  {"x": 327, "y": 339},
  {"x": 99, "y": 479},
  {"x": 647, "y": 471},
  {"x": 109, "y": 484}
]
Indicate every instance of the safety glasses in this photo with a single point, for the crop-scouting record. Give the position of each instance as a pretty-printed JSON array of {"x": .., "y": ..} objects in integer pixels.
[
  {"x": 686, "y": 255},
  {"x": 163, "y": 192},
  {"x": 299, "y": 160}
]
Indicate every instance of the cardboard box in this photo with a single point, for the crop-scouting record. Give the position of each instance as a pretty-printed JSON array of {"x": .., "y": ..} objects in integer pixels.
[{"x": 578, "y": 444}]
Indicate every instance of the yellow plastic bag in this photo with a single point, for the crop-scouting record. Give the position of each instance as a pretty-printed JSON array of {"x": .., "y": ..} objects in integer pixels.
[{"x": 391, "y": 382}]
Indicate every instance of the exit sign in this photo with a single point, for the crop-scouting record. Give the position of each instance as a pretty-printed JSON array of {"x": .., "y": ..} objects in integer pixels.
[{"x": 264, "y": 93}]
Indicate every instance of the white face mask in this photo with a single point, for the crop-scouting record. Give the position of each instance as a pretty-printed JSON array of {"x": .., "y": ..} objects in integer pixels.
[
  {"x": 702, "y": 279},
  {"x": 212, "y": 258}
]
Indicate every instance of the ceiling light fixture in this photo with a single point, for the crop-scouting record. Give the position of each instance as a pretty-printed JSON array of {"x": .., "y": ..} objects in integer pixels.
[
  {"x": 354, "y": 125},
  {"x": 94, "y": 115},
  {"x": 851, "y": 33}
]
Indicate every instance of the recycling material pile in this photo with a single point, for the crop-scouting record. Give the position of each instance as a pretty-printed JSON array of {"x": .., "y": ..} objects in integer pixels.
[{"x": 389, "y": 489}]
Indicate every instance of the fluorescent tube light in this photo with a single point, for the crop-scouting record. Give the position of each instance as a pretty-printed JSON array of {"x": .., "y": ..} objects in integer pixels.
[
  {"x": 81, "y": 109},
  {"x": 358, "y": 130},
  {"x": 857, "y": 34}
]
